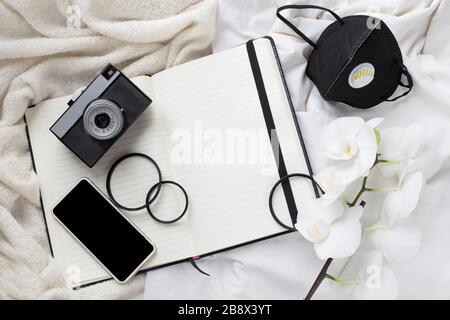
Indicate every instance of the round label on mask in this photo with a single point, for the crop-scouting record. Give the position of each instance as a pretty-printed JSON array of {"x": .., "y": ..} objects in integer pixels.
[{"x": 361, "y": 75}]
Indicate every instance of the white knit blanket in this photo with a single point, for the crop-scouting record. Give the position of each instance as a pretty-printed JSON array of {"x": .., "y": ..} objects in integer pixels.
[{"x": 48, "y": 48}]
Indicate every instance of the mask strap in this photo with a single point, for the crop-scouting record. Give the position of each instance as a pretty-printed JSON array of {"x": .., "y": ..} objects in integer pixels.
[
  {"x": 409, "y": 85},
  {"x": 295, "y": 29}
]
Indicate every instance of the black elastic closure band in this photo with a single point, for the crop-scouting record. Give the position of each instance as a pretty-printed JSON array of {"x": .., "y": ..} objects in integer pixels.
[
  {"x": 280, "y": 181},
  {"x": 159, "y": 185},
  {"x": 113, "y": 168},
  {"x": 271, "y": 129}
]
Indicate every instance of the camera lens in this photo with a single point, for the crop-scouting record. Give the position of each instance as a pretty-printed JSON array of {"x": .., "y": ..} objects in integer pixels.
[{"x": 103, "y": 119}]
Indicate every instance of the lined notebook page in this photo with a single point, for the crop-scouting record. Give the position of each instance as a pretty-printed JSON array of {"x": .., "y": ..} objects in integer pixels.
[
  {"x": 59, "y": 169},
  {"x": 205, "y": 99}
]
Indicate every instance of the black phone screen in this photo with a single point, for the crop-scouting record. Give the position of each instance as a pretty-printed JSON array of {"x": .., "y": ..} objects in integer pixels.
[{"x": 103, "y": 230}]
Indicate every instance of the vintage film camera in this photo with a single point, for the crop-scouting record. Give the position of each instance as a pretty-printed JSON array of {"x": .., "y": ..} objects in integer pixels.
[{"x": 97, "y": 118}]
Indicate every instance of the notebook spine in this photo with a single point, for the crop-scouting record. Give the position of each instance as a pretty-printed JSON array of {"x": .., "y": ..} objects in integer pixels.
[{"x": 40, "y": 193}]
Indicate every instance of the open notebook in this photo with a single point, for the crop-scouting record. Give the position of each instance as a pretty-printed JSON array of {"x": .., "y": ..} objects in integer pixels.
[{"x": 201, "y": 130}]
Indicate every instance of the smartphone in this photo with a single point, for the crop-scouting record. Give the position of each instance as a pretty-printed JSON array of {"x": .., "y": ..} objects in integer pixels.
[{"x": 105, "y": 232}]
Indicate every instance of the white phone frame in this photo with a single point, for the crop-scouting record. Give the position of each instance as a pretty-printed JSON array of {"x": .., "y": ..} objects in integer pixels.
[{"x": 87, "y": 249}]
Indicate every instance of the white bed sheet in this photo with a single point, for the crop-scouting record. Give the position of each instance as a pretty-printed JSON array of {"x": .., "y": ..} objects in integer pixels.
[{"x": 285, "y": 267}]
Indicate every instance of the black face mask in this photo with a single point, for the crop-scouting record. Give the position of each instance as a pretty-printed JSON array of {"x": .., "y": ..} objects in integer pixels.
[{"x": 356, "y": 60}]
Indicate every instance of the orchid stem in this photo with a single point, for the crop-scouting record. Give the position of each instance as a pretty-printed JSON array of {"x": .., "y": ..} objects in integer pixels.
[
  {"x": 341, "y": 281},
  {"x": 319, "y": 279},
  {"x": 373, "y": 228},
  {"x": 360, "y": 193},
  {"x": 378, "y": 160},
  {"x": 389, "y": 161},
  {"x": 364, "y": 187},
  {"x": 381, "y": 189}
]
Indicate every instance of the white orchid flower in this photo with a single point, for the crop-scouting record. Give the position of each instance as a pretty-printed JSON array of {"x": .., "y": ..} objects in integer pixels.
[
  {"x": 334, "y": 230},
  {"x": 400, "y": 204},
  {"x": 331, "y": 180},
  {"x": 408, "y": 148},
  {"x": 399, "y": 241},
  {"x": 352, "y": 142},
  {"x": 365, "y": 277}
]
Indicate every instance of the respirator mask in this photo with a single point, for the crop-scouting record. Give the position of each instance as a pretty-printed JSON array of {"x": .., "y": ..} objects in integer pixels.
[{"x": 356, "y": 60}]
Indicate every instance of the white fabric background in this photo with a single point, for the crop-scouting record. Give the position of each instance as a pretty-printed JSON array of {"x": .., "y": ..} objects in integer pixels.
[{"x": 286, "y": 266}]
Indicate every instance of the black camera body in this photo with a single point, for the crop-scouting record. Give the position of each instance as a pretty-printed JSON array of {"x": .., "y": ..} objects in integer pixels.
[{"x": 99, "y": 116}]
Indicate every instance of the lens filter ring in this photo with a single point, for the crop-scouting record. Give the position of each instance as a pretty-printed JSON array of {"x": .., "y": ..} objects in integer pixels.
[
  {"x": 158, "y": 186},
  {"x": 149, "y": 201}
]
